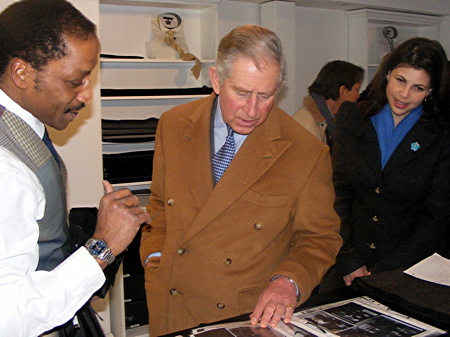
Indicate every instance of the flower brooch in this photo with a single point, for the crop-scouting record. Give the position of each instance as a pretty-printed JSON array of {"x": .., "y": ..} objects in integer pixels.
[{"x": 415, "y": 146}]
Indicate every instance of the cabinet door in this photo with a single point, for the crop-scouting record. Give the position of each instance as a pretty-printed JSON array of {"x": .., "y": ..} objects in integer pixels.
[{"x": 367, "y": 45}]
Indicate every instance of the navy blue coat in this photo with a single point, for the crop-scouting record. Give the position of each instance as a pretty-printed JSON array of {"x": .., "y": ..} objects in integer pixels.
[{"x": 391, "y": 218}]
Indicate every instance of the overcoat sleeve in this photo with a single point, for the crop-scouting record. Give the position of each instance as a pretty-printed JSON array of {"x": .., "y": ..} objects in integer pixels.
[
  {"x": 315, "y": 241},
  {"x": 153, "y": 234},
  {"x": 348, "y": 259}
]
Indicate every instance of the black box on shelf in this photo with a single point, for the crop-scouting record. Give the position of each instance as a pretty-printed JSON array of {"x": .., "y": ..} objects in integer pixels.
[
  {"x": 128, "y": 167},
  {"x": 136, "y": 314},
  {"x": 129, "y": 130}
]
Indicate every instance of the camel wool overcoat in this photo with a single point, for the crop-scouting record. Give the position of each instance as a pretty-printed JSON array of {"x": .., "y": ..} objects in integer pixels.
[{"x": 271, "y": 213}]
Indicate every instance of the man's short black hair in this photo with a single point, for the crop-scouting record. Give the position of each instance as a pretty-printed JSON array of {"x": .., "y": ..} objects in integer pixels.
[
  {"x": 35, "y": 31},
  {"x": 334, "y": 75}
]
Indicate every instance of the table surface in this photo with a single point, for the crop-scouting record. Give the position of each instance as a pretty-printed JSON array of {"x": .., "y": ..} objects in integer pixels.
[{"x": 317, "y": 300}]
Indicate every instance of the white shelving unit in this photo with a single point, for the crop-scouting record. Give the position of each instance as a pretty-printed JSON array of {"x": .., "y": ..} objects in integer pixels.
[
  {"x": 124, "y": 29},
  {"x": 367, "y": 46}
]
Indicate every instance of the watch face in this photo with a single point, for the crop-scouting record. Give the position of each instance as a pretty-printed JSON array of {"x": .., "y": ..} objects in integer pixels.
[
  {"x": 169, "y": 20},
  {"x": 97, "y": 247}
]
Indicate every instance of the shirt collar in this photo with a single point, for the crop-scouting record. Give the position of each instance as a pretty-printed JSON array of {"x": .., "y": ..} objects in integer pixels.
[
  {"x": 16, "y": 109},
  {"x": 218, "y": 119}
]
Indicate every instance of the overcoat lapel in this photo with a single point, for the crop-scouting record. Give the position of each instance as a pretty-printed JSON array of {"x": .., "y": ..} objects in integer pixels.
[
  {"x": 195, "y": 151},
  {"x": 369, "y": 149},
  {"x": 258, "y": 153},
  {"x": 420, "y": 135},
  {"x": 371, "y": 153}
]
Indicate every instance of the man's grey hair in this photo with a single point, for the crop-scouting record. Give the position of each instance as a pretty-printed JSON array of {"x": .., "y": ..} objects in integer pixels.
[{"x": 257, "y": 43}]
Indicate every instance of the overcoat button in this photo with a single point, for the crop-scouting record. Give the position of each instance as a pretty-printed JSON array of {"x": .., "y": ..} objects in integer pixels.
[
  {"x": 170, "y": 202},
  {"x": 257, "y": 226},
  {"x": 227, "y": 262},
  {"x": 373, "y": 246},
  {"x": 220, "y": 305},
  {"x": 181, "y": 251},
  {"x": 378, "y": 190},
  {"x": 375, "y": 218}
]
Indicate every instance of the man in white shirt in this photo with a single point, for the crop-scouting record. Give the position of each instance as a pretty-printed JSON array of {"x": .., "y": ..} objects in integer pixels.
[{"x": 48, "y": 52}]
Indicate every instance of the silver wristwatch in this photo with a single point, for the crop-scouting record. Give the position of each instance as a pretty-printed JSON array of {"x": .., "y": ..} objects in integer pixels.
[{"x": 100, "y": 250}]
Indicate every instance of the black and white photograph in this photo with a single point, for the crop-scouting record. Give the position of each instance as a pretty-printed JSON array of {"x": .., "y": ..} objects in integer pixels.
[
  {"x": 321, "y": 320},
  {"x": 382, "y": 326},
  {"x": 352, "y": 312}
]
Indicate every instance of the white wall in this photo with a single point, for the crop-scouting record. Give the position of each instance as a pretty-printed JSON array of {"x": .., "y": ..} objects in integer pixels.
[
  {"x": 232, "y": 14},
  {"x": 321, "y": 36},
  {"x": 279, "y": 16},
  {"x": 444, "y": 34}
]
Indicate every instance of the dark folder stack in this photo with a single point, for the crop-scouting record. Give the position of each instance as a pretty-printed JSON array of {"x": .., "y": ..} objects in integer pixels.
[
  {"x": 132, "y": 166},
  {"x": 204, "y": 90},
  {"x": 128, "y": 167},
  {"x": 136, "y": 313},
  {"x": 129, "y": 130},
  {"x": 423, "y": 300}
]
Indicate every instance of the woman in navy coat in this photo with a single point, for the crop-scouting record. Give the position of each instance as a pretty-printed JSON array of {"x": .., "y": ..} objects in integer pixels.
[{"x": 391, "y": 162}]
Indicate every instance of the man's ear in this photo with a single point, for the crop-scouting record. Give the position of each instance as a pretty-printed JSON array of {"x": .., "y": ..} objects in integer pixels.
[
  {"x": 215, "y": 81},
  {"x": 342, "y": 91},
  {"x": 21, "y": 73}
]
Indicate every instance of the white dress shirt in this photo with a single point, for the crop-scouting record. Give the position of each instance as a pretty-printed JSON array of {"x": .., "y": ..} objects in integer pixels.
[{"x": 32, "y": 302}]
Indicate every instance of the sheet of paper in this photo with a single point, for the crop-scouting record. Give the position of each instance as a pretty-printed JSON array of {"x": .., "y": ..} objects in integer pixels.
[{"x": 434, "y": 268}]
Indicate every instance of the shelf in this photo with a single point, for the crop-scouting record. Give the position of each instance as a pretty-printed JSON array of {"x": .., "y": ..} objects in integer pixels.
[
  {"x": 386, "y": 17},
  {"x": 136, "y": 184},
  {"x": 122, "y": 98},
  {"x": 141, "y": 331},
  {"x": 193, "y": 4},
  {"x": 368, "y": 46},
  {"x": 150, "y": 61},
  {"x": 126, "y": 30}
]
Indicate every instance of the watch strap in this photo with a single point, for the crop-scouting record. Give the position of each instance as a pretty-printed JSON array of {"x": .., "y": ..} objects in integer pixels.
[{"x": 105, "y": 255}]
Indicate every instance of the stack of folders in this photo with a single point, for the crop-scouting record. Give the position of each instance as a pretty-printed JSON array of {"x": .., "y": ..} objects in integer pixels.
[
  {"x": 128, "y": 148},
  {"x": 204, "y": 90}
]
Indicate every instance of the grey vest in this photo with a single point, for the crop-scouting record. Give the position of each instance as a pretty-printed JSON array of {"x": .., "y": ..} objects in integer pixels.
[{"x": 22, "y": 141}]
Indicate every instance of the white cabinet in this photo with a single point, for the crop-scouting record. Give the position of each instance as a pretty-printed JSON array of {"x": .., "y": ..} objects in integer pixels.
[
  {"x": 124, "y": 30},
  {"x": 367, "y": 45}
]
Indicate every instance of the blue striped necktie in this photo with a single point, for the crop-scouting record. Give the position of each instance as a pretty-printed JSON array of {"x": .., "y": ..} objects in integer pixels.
[
  {"x": 48, "y": 142},
  {"x": 224, "y": 156}
]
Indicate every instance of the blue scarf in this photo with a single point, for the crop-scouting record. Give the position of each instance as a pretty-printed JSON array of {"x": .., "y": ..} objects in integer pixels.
[{"x": 388, "y": 136}]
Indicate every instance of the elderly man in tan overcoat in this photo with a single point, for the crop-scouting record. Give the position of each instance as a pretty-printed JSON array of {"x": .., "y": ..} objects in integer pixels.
[{"x": 259, "y": 238}]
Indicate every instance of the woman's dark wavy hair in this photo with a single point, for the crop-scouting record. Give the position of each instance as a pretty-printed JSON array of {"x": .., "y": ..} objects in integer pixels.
[
  {"x": 418, "y": 53},
  {"x": 35, "y": 31}
]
